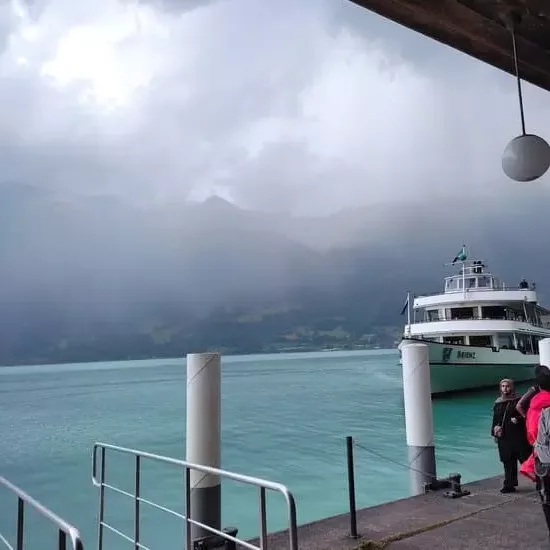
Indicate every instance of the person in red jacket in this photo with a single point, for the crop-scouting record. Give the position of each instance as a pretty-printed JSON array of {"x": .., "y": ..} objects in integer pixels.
[
  {"x": 539, "y": 401},
  {"x": 536, "y": 468}
]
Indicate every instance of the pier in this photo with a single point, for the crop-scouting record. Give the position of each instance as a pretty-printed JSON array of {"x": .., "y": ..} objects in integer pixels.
[{"x": 483, "y": 519}]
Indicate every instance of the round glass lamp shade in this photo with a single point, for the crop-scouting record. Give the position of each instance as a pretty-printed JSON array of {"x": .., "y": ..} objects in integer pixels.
[{"x": 526, "y": 158}]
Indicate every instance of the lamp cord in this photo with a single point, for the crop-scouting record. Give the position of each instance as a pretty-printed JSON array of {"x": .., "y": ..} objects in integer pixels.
[{"x": 520, "y": 96}]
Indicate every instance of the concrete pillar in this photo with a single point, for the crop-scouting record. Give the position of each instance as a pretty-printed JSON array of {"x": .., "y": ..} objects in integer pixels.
[
  {"x": 544, "y": 352},
  {"x": 203, "y": 440},
  {"x": 418, "y": 414}
]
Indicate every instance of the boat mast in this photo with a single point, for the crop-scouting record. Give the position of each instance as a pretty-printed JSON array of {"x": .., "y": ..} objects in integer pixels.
[
  {"x": 464, "y": 279},
  {"x": 409, "y": 312}
]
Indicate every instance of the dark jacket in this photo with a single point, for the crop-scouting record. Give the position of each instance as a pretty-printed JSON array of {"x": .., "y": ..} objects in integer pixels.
[
  {"x": 512, "y": 444},
  {"x": 526, "y": 398}
]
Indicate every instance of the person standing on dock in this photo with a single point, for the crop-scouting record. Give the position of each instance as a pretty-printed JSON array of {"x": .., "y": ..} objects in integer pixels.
[
  {"x": 536, "y": 467},
  {"x": 508, "y": 429}
]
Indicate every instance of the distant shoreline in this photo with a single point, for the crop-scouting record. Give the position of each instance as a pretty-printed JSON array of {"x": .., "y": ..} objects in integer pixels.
[{"x": 226, "y": 353}]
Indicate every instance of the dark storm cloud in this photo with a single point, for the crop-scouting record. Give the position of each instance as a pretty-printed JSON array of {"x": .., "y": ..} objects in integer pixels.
[{"x": 299, "y": 106}]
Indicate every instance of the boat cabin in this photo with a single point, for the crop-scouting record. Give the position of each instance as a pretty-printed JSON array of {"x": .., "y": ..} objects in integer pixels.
[
  {"x": 476, "y": 309},
  {"x": 474, "y": 277}
]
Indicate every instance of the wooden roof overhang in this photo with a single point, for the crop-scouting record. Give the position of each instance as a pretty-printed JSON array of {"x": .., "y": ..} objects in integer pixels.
[{"x": 480, "y": 28}]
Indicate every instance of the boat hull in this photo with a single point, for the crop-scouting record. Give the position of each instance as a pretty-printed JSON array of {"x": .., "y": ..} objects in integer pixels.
[{"x": 464, "y": 368}]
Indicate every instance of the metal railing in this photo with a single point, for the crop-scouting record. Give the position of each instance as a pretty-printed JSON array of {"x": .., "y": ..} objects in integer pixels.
[
  {"x": 65, "y": 530},
  {"x": 476, "y": 317},
  {"x": 98, "y": 479},
  {"x": 476, "y": 289}
]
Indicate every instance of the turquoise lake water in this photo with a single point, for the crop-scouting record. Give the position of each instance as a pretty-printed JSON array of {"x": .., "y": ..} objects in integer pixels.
[{"x": 285, "y": 418}]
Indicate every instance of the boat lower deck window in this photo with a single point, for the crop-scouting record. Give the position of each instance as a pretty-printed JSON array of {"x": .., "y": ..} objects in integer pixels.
[
  {"x": 505, "y": 340},
  {"x": 453, "y": 340},
  {"x": 481, "y": 340},
  {"x": 525, "y": 343},
  {"x": 458, "y": 313}
]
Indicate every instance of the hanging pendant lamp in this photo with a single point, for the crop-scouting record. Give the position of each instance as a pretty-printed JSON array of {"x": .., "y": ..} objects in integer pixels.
[{"x": 527, "y": 157}]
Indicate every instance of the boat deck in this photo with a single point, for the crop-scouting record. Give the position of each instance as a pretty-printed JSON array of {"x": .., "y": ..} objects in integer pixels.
[{"x": 484, "y": 519}]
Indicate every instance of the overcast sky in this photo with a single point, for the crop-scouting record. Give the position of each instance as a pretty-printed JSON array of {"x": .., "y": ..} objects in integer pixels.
[{"x": 299, "y": 106}]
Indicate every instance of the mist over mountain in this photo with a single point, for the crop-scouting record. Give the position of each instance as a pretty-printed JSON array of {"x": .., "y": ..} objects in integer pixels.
[
  {"x": 361, "y": 155},
  {"x": 98, "y": 278}
]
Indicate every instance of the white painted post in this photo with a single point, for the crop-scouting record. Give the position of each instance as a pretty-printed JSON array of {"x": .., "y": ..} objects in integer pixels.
[
  {"x": 203, "y": 440},
  {"x": 544, "y": 352},
  {"x": 418, "y": 414}
]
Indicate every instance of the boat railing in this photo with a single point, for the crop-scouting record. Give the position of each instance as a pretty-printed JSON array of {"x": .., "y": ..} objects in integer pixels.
[
  {"x": 474, "y": 317},
  {"x": 532, "y": 288},
  {"x": 98, "y": 479},
  {"x": 66, "y": 533}
]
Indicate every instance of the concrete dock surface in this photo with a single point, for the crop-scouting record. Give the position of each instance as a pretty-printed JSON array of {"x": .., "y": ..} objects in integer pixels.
[{"x": 484, "y": 519}]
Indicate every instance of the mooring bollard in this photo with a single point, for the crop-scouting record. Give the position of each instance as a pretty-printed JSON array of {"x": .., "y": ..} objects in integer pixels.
[
  {"x": 217, "y": 542},
  {"x": 418, "y": 415},
  {"x": 203, "y": 441},
  {"x": 351, "y": 488}
]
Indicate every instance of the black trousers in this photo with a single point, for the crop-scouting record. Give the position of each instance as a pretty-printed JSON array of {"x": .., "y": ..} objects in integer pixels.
[
  {"x": 544, "y": 493},
  {"x": 511, "y": 474}
]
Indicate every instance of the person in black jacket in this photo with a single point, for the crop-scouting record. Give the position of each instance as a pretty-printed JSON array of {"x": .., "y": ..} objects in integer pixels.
[
  {"x": 524, "y": 402},
  {"x": 508, "y": 429}
]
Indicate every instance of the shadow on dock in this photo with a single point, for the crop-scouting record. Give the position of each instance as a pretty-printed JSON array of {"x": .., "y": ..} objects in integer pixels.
[{"x": 484, "y": 519}]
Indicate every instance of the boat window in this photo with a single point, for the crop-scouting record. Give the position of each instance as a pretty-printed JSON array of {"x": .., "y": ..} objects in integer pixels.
[
  {"x": 483, "y": 282},
  {"x": 471, "y": 282},
  {"x": 506, "y": 340},
  {"x": 462, "y": 313},
  {"x": 433, "y": 315},
  {"x": 493, "y": 312},
  {"x": 525, "y": 344},
  {"x": 453, "y": 340},
  {"x": 480, "y": 340},
  {"x": 454, "y": 283}
]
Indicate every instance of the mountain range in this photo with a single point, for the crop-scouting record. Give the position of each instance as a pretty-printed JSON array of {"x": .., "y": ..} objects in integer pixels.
[{"x": 99, "y": 278}]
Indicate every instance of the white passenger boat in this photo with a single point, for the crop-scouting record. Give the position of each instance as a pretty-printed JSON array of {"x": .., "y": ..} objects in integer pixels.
[{"x": 478, "y": 330}]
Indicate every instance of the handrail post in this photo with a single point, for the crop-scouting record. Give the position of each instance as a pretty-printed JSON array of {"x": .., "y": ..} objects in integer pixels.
[
  {"x": 351, "y": 488},
  {"x": 101, "y": 501},
  {"x": 188, "y": 545},
  {"x": 293, "y": 531},
  {"x": 263, "y": 520},
  {"x": 20, "y": 522},
  {"x": 137, "y": 495},
  {"x": 62, "y": 540}
]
